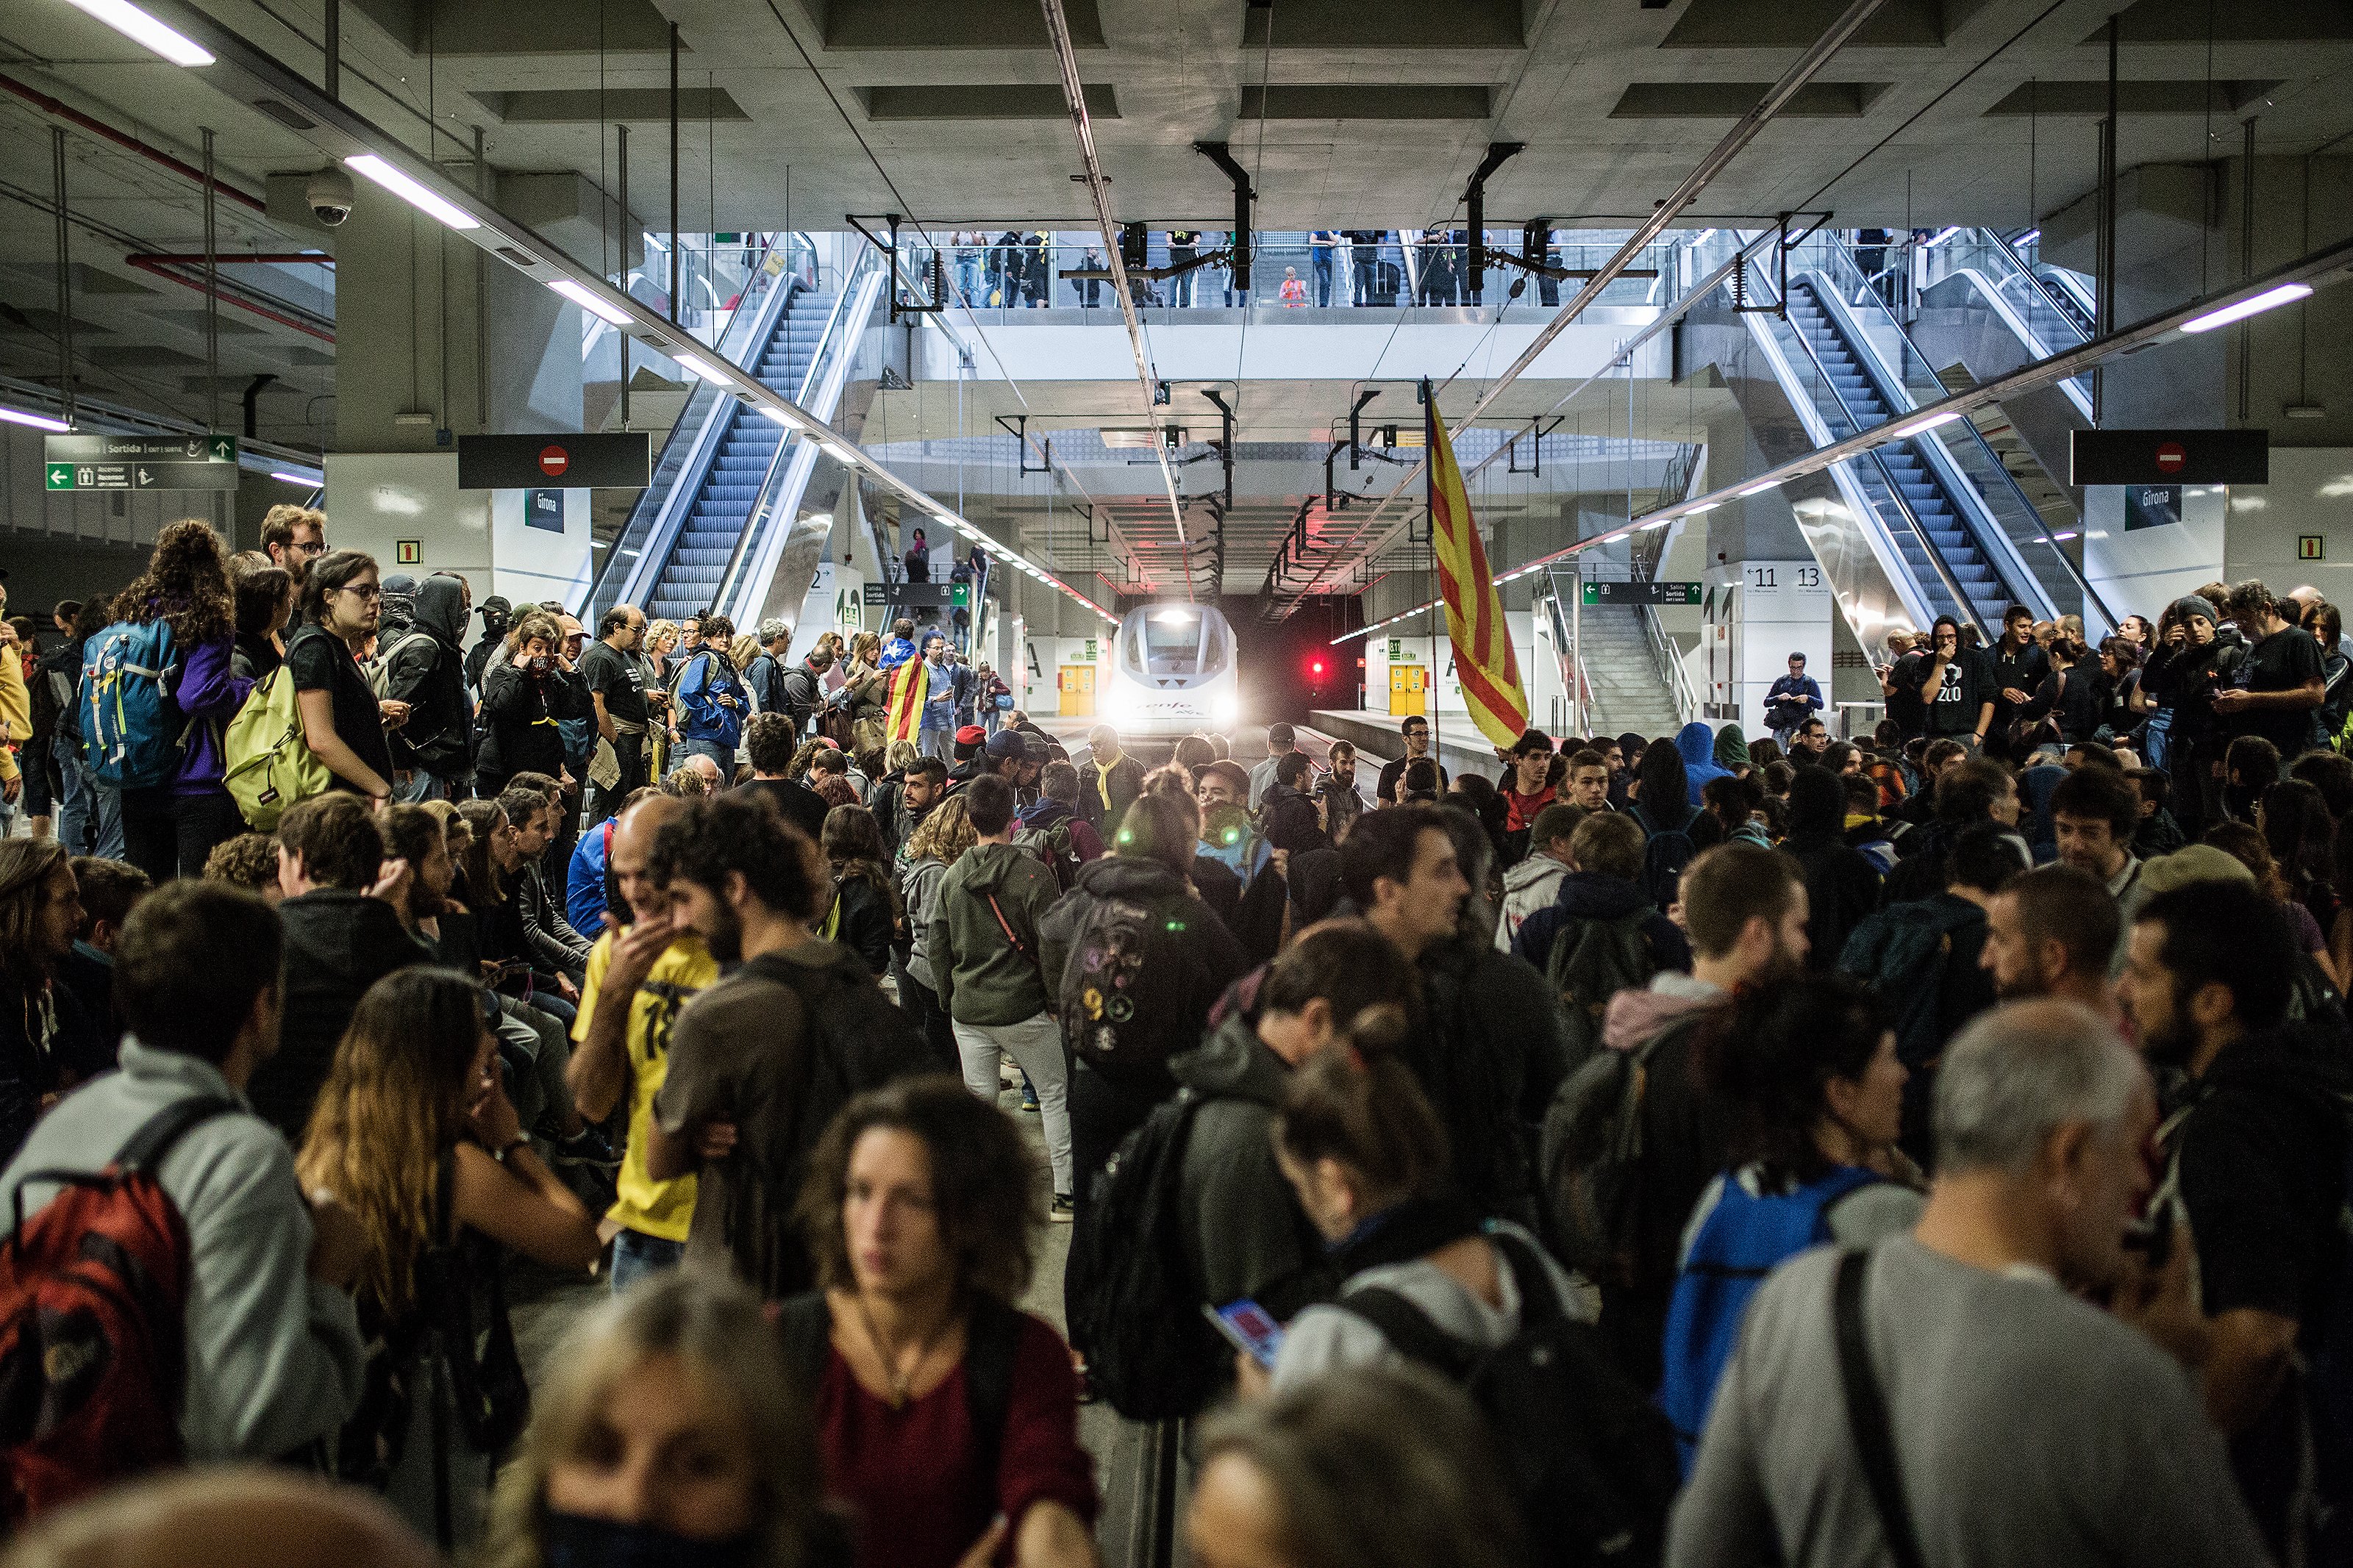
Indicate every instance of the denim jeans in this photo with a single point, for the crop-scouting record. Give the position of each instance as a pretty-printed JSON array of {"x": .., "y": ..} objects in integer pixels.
[
  {"x": 90, "y": 816},
  {"x": 636, "y": 1254},
  {"x": 1036, "y": 1046},
  {"x": 723, "y": 755}
]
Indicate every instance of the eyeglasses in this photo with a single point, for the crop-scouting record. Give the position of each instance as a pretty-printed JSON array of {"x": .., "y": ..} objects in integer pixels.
[
  {"x": 316, "y": 547},
  {"x": 365, "y": 590}
]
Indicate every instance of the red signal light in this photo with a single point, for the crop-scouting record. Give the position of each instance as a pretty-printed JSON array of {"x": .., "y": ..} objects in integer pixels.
[{"x": 1315, "y": 668}]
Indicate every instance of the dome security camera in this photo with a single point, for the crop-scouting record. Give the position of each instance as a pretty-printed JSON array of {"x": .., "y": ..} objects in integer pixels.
[{"x": 329, "y": 195}]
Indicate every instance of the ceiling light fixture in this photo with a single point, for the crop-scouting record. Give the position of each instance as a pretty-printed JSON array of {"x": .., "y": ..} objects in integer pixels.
[
  {"x": 38, "y": 421},
  {"x": 141, "y": 29},
  {"x": 697, "y": 368},
  {"x": 415, "y": 192},
  {"x": 284, "y": 477},
  {"x": 1704, "y": 506},
  {"x": 2028, "y": 237},
  {"x": 591, "y": 302},
  {"x": 1758, "y": 488},
  {"x": 1939, "y": 237},
  {"x": 2252, "y": 305},
  {"x": 1915, "y": 427}
]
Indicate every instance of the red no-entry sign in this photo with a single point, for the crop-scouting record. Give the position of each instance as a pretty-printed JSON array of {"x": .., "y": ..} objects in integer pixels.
[
  {"x": 2170, "y": 456},
  {"x": 578, "y": 459},
  {"x": 554, "y": 460}
]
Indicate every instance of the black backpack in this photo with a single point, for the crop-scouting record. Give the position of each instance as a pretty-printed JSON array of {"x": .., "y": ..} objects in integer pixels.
[
  {"x": 1132, "y": 1311},
  {"x": 1664, "y": 856},
  {"x": 1591, "y": 1161},
  {"x": 1112, "y": 1019},
  {"x": 1590, "y": 962},
  {"x": 1589, "y": 1460}
]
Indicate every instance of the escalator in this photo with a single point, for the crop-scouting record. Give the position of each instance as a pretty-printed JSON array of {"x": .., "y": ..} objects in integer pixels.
[{"x": 720, "y": 523}]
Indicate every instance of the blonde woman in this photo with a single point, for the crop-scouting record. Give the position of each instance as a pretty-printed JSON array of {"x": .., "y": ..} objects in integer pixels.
[
  {"x": 655, "y": 662},
  {"x": 667, "y": 1432},
  {"x": 416, "y": 1136}
]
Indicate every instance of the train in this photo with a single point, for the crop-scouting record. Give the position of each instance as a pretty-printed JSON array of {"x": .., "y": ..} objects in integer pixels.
[{"x": 1173, "y": 670}]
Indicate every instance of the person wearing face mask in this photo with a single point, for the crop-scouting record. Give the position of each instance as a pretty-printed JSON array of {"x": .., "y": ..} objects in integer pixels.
[
  {"x": 947, "y": 1418},
  {"x": 522, "y": 700},
  {"x": 666, "y": 1433},
  {"x": 1810, "y": 1069}
]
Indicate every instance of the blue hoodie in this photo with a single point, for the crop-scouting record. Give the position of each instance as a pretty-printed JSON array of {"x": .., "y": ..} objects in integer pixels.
[{"x": 1695, "y": 743}]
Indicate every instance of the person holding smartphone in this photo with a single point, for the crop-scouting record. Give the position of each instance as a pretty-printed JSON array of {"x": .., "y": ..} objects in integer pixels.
[
  {"x": 522, "y": 698},
  {"x": 1956, "y": 688}
]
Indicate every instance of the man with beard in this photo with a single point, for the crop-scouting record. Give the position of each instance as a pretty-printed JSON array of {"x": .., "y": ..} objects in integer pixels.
[
  {"x": 734, "y": 1106},
  {"x": 2254, "y": 1143},
  {"x": 2051, "y": 932},
  {"x": 1745, "y": 911}
]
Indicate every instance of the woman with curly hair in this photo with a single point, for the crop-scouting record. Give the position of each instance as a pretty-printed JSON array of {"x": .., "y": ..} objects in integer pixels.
[
  {"x": 945, "y": 834},
  {"x": 947, "y": 1417},
  {"x": 415, "y": 1135},
  {"x": 169, "y": 828}
]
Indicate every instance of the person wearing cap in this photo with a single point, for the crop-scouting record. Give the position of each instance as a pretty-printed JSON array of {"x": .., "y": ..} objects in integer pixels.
[
  {"x": 496, "y": 612},
  {"x": 1003, "y": 755},
  {"x": 1281, "y": 739},
  {"x": 969, "y": 740}
]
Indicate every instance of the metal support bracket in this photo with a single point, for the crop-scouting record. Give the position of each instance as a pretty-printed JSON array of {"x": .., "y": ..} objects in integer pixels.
[
  {"x": 1225, "y": 444},
  {"x": 1475, "y": 199},
  {"x": 1357, "y": 425},
  {"x": 1538, "y": 431},
  {"x": 1217, "y": 154},
  {"x": 1018, "y": 427},
  {"x": 938, "y": 278}
]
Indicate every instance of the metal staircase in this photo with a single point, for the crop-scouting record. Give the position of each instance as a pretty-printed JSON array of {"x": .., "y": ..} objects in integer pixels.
[{"x": 1607, "y": 652}]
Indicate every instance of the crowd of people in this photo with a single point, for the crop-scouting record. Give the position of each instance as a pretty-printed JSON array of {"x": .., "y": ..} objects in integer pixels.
[{"x": 1930, "y": 1149}]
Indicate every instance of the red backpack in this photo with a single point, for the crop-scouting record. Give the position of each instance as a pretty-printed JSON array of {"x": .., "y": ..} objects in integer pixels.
[{"x": 93, "y": 1350}]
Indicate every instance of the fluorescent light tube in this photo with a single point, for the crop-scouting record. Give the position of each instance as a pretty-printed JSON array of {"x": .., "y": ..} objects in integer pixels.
[
  {"x": 2028, "y": 237},
  {"x": 697, "y": 368},
  {"x": 591, "y": 302},
  {"x": 1758, "y": 488},
  {"x": 141, "y": 29},
  {"x": 284, "y": 476},
  {"x": 38, "y": 421},
  {"x": 2254, "y": 305},
  {"x": 409, "y": 190},
  {"x": 1915, "y": 427},
  {"x": 1939, "y": 237},
  {"x": 1704, "y": 506}
]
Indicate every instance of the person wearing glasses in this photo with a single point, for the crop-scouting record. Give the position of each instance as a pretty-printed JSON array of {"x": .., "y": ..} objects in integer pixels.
[
  {"x": 344, "y": 722},
  {"x": 1415, "y": 731},
  {"x": 294, "y": 536}
]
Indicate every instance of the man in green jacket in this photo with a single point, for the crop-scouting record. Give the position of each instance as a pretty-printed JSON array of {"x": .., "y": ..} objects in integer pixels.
[{"x": 984, "y": 955}]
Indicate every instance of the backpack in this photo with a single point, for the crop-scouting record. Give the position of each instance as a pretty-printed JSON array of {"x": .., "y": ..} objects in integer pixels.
[
  {"x": 1590, "y": 1461},
  {"x": 1102, "y": 989},
  {"x": 1589, "y": 963},
  {"x": 266, "y": 764},
  {"x": 857, "y": 1039},
  {"x": 93, "y": 1347},
  {"x": 1664, "y": 856},
  {"x": 1051, "y": 844},
  {"x": 1133, "y": 1310},
  {"x": 1903, "y": 954},
  {"x": 1591, "y": 1159},
  {"x": 378, "y": 670},
  {"x": 1742, "y": 1240},
  {"x": 133, "y": 732}
]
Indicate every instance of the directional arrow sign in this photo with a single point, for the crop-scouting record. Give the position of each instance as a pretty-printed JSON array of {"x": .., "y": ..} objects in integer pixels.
[
  {"x": 59, "y": 476},
  {"x": 224, "y": 449}
]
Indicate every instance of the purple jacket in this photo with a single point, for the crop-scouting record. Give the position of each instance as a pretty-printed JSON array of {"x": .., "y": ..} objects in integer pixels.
[{"x": 208, "y": 694}]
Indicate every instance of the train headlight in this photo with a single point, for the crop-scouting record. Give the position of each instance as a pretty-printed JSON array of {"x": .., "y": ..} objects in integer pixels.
[{"x": 1226, "y": 712}]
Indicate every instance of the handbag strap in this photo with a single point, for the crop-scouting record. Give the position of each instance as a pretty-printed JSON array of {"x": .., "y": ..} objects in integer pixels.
[{"x": 1866, "y": 1413}]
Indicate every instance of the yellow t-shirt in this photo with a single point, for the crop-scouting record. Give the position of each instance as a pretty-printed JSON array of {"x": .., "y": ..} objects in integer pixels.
[{"x": 662, "y": 1209}]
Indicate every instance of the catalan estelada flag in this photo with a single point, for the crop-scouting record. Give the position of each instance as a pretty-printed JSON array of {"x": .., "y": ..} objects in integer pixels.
[
  {"x": 1484, "y": 660},
  {"x": 905, "y": 685}
]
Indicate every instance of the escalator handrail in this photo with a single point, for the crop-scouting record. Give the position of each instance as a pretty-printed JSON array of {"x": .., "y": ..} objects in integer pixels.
[
  {"x": 1993, "y": 539},
  {"x": 1961, "y": 600},
  {"x": 1992, "y": 459},
  {"x": 787, "y": 477},
  {"x": 669, "y": 517},
  {"x": 2065, "y": 311}
]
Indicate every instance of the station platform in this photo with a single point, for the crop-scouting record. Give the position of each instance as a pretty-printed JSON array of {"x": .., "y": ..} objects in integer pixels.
[{"x": 1460, "y": 748}]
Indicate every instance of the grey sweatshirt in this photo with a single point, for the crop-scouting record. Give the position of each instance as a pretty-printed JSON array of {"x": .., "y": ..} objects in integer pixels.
[{"x": 275, "y": 1358}]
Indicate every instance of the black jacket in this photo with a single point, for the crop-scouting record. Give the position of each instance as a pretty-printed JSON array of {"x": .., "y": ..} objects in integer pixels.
[
  {"x": 867, "y": 921},
  {"x": 1187, "y": 960},
  {"x": 427, "y": 673},
  {"x": 338, "y": 943},
  {"x": 519, "y": 713},
  {"x": 1490, "y": 1053}
]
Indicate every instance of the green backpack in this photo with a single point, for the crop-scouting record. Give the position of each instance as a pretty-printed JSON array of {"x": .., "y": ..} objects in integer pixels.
[{"x": 269, "y": 764}]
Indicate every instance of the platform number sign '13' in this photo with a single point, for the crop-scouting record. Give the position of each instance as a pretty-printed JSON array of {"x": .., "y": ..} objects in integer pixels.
[{"x": 1784, "y": 577}]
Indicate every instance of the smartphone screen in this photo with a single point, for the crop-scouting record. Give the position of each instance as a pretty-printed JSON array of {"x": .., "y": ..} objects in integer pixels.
[{"x": 1249, "y": 1327}]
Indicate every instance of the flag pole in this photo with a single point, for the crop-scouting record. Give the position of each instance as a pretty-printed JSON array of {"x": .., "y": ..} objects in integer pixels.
[{"x": 1429, "y": 543}]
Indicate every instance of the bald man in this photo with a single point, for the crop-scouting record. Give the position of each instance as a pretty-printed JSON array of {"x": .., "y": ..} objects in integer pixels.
[
  {"x": 223, "y": 1518},
  {"x": 639, "y": 975}
]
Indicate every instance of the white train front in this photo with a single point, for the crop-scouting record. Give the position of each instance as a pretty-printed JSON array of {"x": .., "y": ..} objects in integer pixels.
[{"x": 1173, "y": 671}]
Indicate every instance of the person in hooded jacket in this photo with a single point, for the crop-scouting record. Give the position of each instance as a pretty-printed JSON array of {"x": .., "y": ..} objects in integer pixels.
[
  {"x": 496, "y": 613},
  {"x": 524, "y": 694},
  {"x": 1152, "y": 960},
  {"x": 339, "y": 941},
  {"x": 424, "y": 666},
  {"x": 1532, "y": 884},
  {"x": 1695, "y": 743},
  {"x": 1841, "y": 884},
  {"x": 986, "y": 966},
  {"x": 2181, "y": 678},
  {"x": 1605, "y": 853}
]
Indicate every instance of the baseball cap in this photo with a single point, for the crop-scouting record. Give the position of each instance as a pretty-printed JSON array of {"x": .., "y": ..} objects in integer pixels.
[
  {"x": 1006, "y": 744},
  {"x": 1232, "y": 772},
  {"x": 495, "y": 605},
  {"x": 1280, "y": 734}
]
